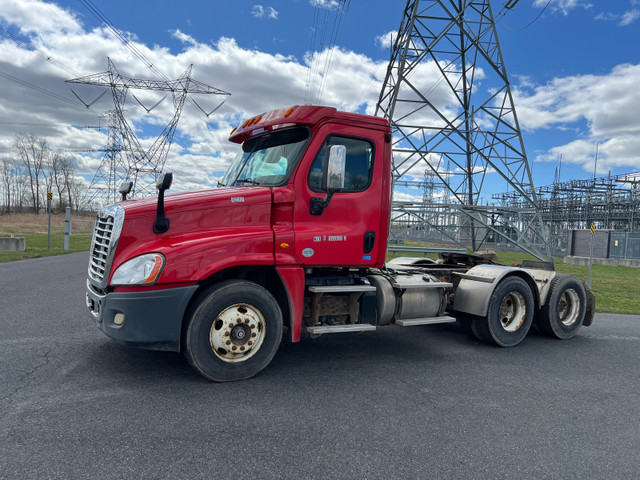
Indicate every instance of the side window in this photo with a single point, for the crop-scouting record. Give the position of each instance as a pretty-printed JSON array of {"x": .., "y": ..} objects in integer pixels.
[{"x": 359, "y": 165}]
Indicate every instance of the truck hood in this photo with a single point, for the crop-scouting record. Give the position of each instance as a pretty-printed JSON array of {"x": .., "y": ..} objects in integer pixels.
[
  {"x": 206, "y": 229},
  {"x": 231, "y": 197}
]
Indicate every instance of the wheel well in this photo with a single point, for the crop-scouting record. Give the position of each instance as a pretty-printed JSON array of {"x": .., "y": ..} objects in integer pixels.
[{"x": 264, "y": 276}]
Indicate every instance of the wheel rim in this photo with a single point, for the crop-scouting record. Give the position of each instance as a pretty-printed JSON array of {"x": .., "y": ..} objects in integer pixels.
[
  {"x": 512, "y": 311},
  {"x": 237, "y": 333},
  {"x": 569, "y": 307}
]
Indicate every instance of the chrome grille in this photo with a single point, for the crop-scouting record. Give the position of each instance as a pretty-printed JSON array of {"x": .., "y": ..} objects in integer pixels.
[
  {"x": 100, "y": 247},
  {"x": 105, "y": 238}
]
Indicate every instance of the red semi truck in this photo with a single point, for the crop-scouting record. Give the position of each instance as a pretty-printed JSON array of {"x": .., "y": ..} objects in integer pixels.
[{"x": 294, "y": 242}]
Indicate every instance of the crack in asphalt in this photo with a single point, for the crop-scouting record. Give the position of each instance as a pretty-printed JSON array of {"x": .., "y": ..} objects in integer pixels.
[{"x": 23, "y": 382}]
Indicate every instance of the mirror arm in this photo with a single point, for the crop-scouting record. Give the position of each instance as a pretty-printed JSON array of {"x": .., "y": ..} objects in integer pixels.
[
  {"x": 319, "y": 204},
  {"x": 161, "y": 224}
]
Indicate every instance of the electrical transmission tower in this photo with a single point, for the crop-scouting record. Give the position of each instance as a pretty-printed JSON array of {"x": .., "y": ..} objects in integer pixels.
[
  {"x": 109, "y": 174},
  {"x": 448, "y": 98},
  {"x": 125, "y": 158}
]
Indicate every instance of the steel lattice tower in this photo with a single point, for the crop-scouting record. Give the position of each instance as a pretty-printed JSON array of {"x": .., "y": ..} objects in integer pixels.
[
  {"x": 135, "y": 163},
  {"x": 448, "y": 98},
  {"x": 109, "y": 175}
]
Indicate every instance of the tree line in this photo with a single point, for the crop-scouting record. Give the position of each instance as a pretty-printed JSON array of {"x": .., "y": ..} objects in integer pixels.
[{"x": 32, "y": 171}]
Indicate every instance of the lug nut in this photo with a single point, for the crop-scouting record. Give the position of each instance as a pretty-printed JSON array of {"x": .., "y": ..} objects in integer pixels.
[
  {"x": 241, "y": 348},
  {"x": 233, "y": 348},
  {"x": 254, "y": 334},
  {"x": 228, "y": 342}
]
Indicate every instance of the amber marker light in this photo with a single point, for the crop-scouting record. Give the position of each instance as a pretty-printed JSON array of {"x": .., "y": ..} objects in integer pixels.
[
  {"x": 288, "y": 112},
  {"x": 155, "y": 270},
  {"x": 284, "y": 245}
]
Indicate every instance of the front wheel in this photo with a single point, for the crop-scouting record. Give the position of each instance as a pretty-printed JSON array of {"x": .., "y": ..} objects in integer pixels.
[
  {"x": 510, "y": 314},
  {"x": 233, "y": 331}
]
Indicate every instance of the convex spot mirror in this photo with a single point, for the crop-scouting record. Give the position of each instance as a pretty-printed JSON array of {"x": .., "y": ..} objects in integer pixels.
[{"x": 334, "y": 168}]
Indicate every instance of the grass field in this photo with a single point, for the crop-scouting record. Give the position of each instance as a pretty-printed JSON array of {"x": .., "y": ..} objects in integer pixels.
[
  {"x": 34, "y": 229},
  {"x": 617, "y": 289}
]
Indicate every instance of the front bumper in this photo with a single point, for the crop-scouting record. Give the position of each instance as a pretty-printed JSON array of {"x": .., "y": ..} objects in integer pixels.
[{"x": 152, "y": 319}]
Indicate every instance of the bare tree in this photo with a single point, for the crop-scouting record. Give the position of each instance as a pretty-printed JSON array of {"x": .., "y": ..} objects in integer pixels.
[
  {"x": 78, "y": 191},
  {"x": 67, "y": 172},
  {"x": 55, "y": 177},
  {"x": 8, "y": 173},
  {"x": 32, "y": 151}
]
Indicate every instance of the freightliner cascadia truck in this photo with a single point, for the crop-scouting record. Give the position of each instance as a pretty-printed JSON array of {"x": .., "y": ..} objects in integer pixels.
[{"x": 294, "y": 243}]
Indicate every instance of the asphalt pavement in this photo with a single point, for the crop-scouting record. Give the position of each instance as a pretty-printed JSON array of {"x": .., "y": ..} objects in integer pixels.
[{"x": 421, "y": 403}]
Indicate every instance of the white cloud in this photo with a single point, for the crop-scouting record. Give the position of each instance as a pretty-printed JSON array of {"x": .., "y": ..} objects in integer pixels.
[
  {"x": 385, "y": 40},
  {"x": 629, "y": 17},
  {"x": 564, "y": 6},
  {"x": 329, "y": 4},
  {"x": 35, "y": 16},
  {"x": 183, "y": 37},
  {"x": 259, "y": 11},
  {"x": 624, "y": 19},
  {"x": 258, "y": 81},
  {"x": 602, "y": 102},
  {"x": 406, "y": 197}
]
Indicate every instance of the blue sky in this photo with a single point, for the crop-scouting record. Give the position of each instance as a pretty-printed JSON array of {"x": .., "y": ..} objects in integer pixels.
[{"x": 575, "y": 72}]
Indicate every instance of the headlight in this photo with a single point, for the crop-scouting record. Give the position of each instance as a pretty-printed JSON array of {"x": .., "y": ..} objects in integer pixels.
[{"x": 142, "y": 270}]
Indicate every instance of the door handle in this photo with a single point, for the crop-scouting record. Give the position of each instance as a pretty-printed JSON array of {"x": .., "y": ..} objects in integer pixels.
[{"x": 369, "y": 241}]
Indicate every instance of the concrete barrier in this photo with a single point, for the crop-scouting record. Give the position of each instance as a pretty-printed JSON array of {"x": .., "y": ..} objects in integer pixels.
[
  {"x": 12, "y": 244},
  {"x": 610, "y": 262}
]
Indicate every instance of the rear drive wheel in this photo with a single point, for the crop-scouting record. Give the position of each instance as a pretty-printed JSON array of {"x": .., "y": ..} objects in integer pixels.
[
  {"x": 233, "y": 331},
  {"x": 565, "y": 308},
  {"x": 509, "y": 315}
]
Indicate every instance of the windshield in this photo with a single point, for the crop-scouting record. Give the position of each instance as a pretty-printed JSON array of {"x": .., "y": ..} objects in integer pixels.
[{"x": 268, "y": 159}]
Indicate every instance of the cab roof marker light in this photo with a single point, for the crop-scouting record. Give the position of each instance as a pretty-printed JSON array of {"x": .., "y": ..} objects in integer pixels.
[
  {"x": 282, "y": 125},
  {"x": 288, "y": 112}
]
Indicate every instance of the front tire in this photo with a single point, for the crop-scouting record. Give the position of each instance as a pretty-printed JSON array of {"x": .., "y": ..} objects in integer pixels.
[
  {"x": 233, "y": 331},
  {"x": 510, "y": 314}
]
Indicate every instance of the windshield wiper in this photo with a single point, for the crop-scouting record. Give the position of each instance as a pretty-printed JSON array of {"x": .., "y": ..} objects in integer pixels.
[{"x": 249, "y": 180}]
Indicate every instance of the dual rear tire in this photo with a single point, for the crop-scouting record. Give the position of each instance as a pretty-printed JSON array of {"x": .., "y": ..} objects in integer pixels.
[{"x": 512, "y": 311}]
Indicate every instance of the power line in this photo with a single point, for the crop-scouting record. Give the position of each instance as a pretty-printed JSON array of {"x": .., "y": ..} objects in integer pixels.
[
  {"x": 41, "y": 90},
  {"x": 131, "y": 46},
  {"x": 334, "y": 37},
  {"x": 39, "y": 53},
  {"x": 532, "y": 21},
  {"x": 315, "y": 68}
]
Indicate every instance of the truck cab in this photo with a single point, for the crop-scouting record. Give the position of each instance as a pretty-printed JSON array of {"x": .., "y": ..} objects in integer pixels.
[{"x": 294, "y": 239}]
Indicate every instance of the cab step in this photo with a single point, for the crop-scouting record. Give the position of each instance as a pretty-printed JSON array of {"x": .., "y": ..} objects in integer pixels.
[
  {"x": 412, "y": 322},
  {"x": 358, "y": 327}
]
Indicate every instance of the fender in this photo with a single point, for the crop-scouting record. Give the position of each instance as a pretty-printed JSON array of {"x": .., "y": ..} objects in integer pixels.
[
  {"x": 477, "y": 285},
  {"x": 293, "y": 280}
]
